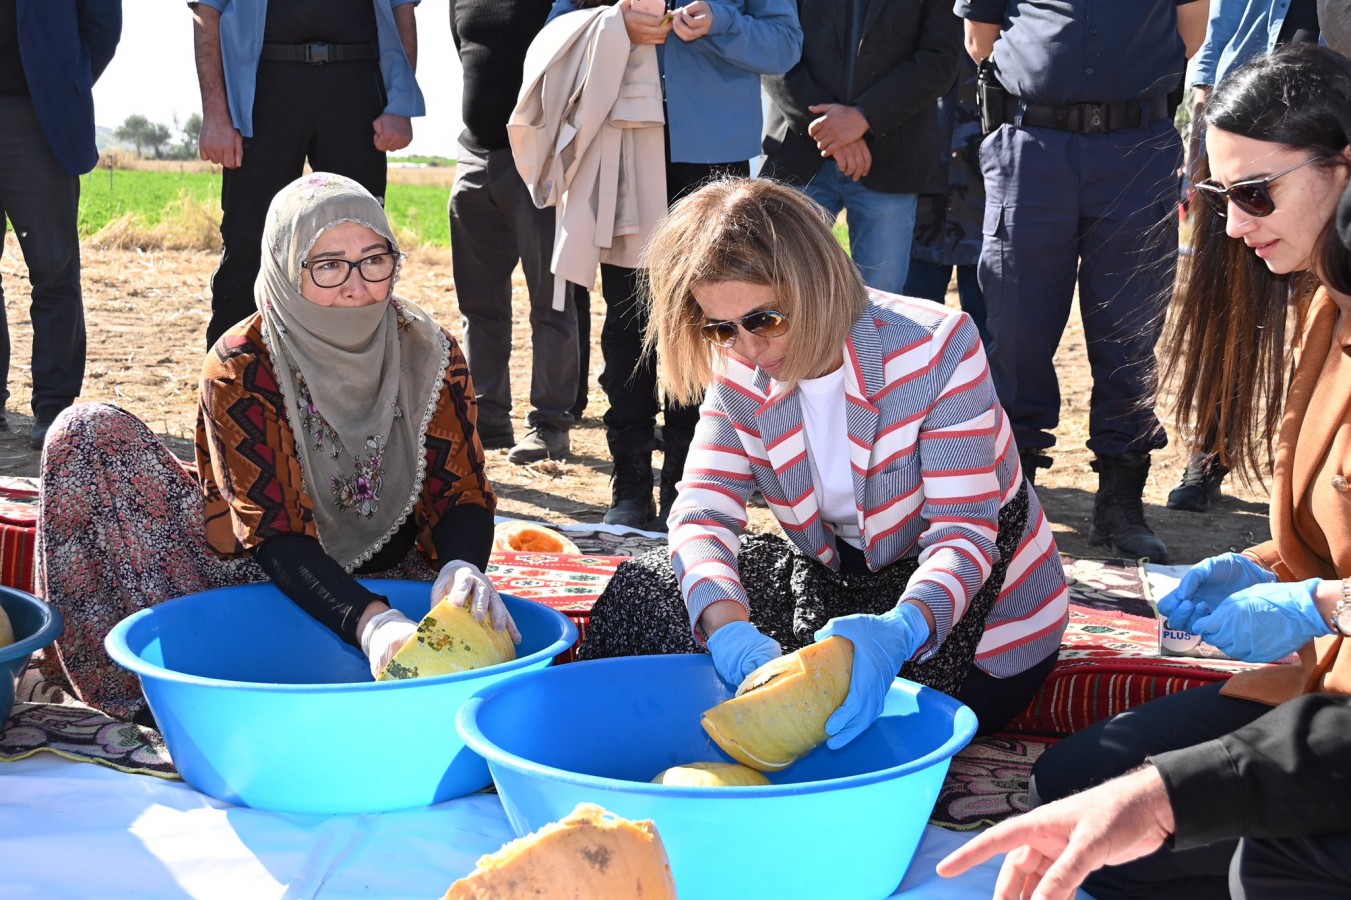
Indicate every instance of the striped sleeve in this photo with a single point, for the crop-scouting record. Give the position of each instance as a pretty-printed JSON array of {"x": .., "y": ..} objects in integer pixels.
[
  {"x": 962, "y": 494},
  {"x": 709, "y": 514}
]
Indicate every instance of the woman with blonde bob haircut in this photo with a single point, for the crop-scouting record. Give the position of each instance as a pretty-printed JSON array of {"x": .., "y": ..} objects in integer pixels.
[
  {"x": 708, "y": 237},
  {"x": 870, "y": 425}
]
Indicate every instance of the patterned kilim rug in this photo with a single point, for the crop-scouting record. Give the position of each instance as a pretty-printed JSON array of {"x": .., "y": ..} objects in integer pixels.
[{"x": 1111, "y": 618}]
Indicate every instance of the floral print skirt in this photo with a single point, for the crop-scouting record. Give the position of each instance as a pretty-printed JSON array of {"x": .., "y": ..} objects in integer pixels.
[{"x": 121, "y": 528}]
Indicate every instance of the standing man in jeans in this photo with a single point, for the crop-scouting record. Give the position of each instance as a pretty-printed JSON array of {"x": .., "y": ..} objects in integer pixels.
[
  {"x": 854, "y": 122},
  {"x": 1080, "y": 173},
  {"x": 494, "y": 223},
  {"x": 51, "y": 53},
  {"x": 286, "y": 81}
]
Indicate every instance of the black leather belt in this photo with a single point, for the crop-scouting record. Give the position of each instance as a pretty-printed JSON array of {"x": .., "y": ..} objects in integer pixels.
[
  {"x": 1089, "y": 118},
  {"x": 317, "y": 54}
]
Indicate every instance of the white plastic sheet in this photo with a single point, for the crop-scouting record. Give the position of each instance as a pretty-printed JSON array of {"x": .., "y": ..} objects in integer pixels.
[{"x": 75, "y": 830}]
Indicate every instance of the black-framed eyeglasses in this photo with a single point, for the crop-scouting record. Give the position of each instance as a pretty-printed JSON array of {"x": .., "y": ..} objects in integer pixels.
[
  {"x": 331, "y": 272},
  {"x": 1252, "y": 197},
  {"x": 766, "y": 323}
]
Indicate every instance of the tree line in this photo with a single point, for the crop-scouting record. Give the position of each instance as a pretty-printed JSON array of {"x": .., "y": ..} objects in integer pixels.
[{"x": 180, "y": 142}]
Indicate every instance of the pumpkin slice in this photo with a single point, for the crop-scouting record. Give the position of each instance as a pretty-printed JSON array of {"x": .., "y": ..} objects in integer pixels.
[
  {"x": 6, "y": 629},
  {"x": 711, "y": 774},
  {"x": 780, "y": 710},
  {"x": 449, "y": 639},
  {"x": 590, "y": 854},
  {"x": 530, "y": 537}
]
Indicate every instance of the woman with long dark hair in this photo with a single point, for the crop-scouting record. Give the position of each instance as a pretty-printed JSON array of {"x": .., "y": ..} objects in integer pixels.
[{"x": 1257, "y": 352}]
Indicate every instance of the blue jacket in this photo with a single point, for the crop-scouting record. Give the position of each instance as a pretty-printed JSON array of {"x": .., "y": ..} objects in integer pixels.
[
  {"x": 241, "y": 45},
  {"x": 713, "y": 107},
  {"x": 66, "y": 45},
  {"x": 1238, "y": 31}
]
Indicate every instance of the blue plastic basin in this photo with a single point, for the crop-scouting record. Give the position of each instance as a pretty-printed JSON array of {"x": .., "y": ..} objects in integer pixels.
[
  {"x": 262, "y": 706},
  {"x": 837, "y": 823},
  {"x": 35, "y": 626}
]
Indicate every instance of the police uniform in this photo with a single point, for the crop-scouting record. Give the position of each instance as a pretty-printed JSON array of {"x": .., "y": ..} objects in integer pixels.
[{"x": 1079, "y": 182}]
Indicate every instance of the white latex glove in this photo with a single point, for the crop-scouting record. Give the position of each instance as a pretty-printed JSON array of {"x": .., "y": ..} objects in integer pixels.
[
  {"x": 383, "y": 636},
  {"x": 466, "y": 586}
]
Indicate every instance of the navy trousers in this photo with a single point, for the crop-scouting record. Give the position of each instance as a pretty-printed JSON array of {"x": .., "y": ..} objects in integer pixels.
[
  {"x": 1095, "y": 211},
  {"x": 43, "y": 201}
]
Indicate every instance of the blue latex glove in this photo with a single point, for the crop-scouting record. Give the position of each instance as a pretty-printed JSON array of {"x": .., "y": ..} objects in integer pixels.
[
  {"x": 1265, "y": 622},
  {"x": 881, "y": 645},
  {"x": 1207, "y": 584},
  {"x": 738, "y": 649}
]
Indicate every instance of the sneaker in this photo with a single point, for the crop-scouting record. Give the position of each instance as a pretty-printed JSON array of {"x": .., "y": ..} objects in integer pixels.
[
  {"x": 541, "y": 443},
  {"x": 1200, "y": 485}
]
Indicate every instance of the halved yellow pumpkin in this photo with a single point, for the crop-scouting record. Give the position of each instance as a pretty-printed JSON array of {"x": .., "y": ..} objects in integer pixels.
[
  {"x": 449, "y": 639},
  {"x": 530, "y": 537},
  {"x": 780, "y": 710},
  {"x": 590, "y": 854},
  {"x": 711, "y": 774}
]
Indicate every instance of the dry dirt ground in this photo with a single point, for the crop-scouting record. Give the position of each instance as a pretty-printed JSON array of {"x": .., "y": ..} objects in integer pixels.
[{"x": 146, "y": 315}]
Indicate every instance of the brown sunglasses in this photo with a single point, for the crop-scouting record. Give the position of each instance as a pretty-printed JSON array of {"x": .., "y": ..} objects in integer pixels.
[{"x": 766, "y": 323}]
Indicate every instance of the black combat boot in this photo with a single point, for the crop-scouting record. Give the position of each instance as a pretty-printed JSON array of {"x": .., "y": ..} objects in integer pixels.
[
  {"x": 1031, "y": 461},
  {"x": 1200, "y": 485},
  {"x": 672, "y": 470},
  {"x": 1119, "y": 509},
  {"x": 631, "y": 491}
]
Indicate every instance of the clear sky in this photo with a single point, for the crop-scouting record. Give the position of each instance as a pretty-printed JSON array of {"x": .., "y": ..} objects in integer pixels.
[{"x": 153, "y": 72}]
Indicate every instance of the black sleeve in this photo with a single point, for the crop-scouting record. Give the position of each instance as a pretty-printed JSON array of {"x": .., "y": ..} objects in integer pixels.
[
  {"x": 1288, "y": 774},
  {"x": 465, "y": 532},
  {"x": 298, "y": 565}
]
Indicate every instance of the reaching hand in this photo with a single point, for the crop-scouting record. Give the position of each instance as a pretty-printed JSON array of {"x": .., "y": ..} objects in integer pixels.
[
  {"x": 1053, "y": 848},
  {"x": 383, "y": 636},
  {"x": 466, "y": 586},
  {"x": 1265, "y": 622},
  {"x": 738, "y": 649},
  {"x": 1207, "y": 584},
  {"x": 881, "y": 645}
]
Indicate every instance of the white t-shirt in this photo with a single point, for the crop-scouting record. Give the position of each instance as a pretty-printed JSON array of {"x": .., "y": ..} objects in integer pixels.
[{"x": 826, "y": 432}]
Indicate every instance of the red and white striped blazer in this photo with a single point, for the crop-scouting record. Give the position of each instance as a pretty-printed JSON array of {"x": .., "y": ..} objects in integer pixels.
[{"x": 933, "y": 463}]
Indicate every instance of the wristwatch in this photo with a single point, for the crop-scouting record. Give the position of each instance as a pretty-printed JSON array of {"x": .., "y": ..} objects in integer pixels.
[{"x": 1340, "y": 620}]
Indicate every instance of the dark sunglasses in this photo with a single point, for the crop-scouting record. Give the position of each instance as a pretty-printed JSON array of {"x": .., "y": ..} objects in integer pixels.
[
  {"x": 1252, "y": 197},
  {"x": 768, "y": 323}
]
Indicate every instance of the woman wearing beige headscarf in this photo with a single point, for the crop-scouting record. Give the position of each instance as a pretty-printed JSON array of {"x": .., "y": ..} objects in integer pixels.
[{"x": 336, "y": 434}]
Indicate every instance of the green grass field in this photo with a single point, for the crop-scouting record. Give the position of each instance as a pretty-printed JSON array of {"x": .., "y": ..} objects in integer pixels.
[{"x": 151, "y": 197}]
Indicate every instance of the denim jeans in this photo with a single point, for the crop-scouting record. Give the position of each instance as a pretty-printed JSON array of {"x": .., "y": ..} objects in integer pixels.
[{"x": 881, "y": 226}]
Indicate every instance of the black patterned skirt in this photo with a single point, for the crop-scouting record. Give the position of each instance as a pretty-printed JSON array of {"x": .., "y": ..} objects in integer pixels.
[{"x": 791, "y": 596}]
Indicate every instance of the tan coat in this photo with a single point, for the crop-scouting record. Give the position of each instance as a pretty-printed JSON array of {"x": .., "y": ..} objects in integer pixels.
[
  {"x": 586, "y": 135},
  {"x": 1311, "y": 501}
]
